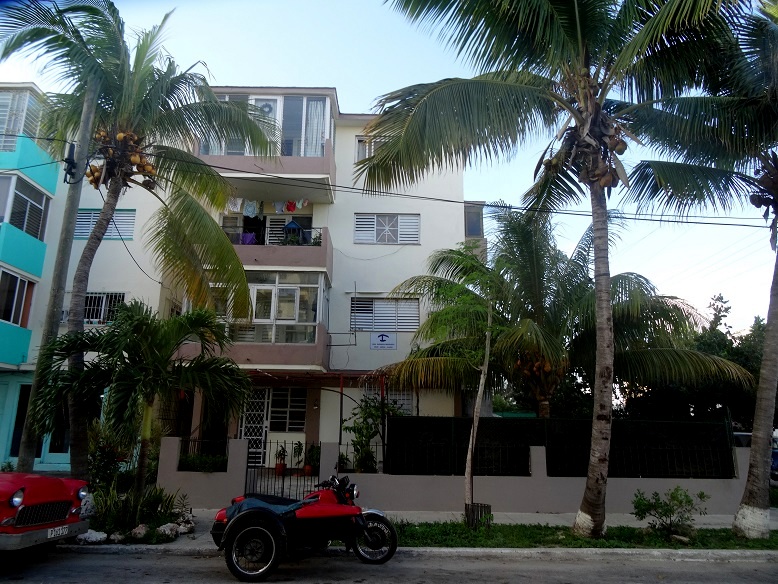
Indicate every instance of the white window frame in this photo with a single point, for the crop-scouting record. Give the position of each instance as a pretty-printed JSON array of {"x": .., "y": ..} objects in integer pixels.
[
  {"x": 108, "y": 301},
  {"x": 400, "y": 315},
  {"x": 377, "y": 228},
  {"x": 366, "y": 146},
  {"x": 122, "y": 226},
  {"x": 23, "y": 193},
  {"x": 282, "y": 415}
]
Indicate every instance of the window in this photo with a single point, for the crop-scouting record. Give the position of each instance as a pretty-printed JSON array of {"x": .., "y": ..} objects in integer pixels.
[
  {"x": 384, "y": 314},
  {"x": 287, "y": 409},
  {"x": 303, "y": 120},
  {"x": 122, "y": 226},
  {"x": 15, "y": 298},
  {"x": 29, "y": 209},
  {"x": 390, "y": 229},
  {"x": 474, "y": 221},
  {"x": 100, "y": 308},
  {"x": 366, "y": 146},
  {"x": 284, "y": 308},
  {"x": 19, "y": 113},
  {"x": 402, "y": 399}
]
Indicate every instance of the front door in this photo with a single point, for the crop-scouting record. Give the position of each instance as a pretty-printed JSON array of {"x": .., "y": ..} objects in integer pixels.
[{"x": 253, "y": 427}]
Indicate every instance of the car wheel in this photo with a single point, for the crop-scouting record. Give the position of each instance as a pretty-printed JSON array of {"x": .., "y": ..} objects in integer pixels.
[{"x": 252, "y": 554}]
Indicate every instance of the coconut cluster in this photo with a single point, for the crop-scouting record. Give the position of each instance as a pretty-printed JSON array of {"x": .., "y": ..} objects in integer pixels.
[{"x": 123, "y": 156}]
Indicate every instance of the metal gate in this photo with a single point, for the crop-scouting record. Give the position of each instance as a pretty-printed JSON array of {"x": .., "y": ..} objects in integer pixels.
[{"x": 253, "y": 427}]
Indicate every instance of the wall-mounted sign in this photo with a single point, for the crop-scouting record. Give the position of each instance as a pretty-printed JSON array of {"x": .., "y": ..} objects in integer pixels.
[{"x": 383, "y": 341}]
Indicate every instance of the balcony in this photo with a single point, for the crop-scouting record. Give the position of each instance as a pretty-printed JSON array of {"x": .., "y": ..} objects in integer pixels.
[
  {"x": 291, "y": 254},
  {"x": 309, "y": 352},
  {"x": 279, "y": 178}
]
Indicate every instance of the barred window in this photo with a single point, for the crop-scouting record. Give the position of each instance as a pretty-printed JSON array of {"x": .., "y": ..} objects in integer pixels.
[
  {"x": 387, "y": 228},
  {"x": 287, "y": 409},
  {"x": 122, "y": 226},
  {"x": 384, "y": 314},
  {"x": 100, "y": 308}
]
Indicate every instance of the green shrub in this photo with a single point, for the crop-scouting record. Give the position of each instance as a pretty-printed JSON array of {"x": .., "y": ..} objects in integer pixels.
[
  {"x": 673, "y": 514},
  {"x": 123, "y": 512},
  {"x": 7, "y": 466},
  {"x": 203, "y": 463}
]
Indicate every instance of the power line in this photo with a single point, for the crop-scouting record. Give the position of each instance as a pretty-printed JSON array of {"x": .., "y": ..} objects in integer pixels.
[{"x": 650, "y": 217}]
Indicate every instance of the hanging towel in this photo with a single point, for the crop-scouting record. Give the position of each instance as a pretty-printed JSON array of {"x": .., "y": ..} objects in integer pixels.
[
  {"x": 250, "y": 209},
  {"x": 279, "y": 205},
  {"x": 291, "y": 206},
  {"x": 300, "y": 203},
  {"x": 234, "y": 203}
]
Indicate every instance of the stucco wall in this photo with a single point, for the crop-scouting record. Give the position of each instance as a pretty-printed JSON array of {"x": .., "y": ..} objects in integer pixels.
[{"x": 536, "y": 494}]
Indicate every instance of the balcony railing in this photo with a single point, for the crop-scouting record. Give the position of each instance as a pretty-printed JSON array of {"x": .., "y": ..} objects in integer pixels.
[{"x": 306, "y": 237}]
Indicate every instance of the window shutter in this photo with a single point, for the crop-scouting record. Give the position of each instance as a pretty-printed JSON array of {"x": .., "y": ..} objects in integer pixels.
[
  {"x": 407, "y": 315},
  {"x": 275, "y": 229},
  {"x": 84, "y": 223},
  {"x": 408, "y": 229},
  {"x": 361, "y": 314},
  {"x": 364, "y": 228},
  {"x": 384, "y": 315}
]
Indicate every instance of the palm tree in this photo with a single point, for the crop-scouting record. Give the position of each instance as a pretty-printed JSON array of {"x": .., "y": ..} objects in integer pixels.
[
  {"x": 726, "y": 150},
  {"x": 544, "y": 322},
  {"x": 71, "y": 35},
  {"x": 136, "y": 364},
  {"x": 548, "y": 66},
  {"x": 149, "y": 116}
]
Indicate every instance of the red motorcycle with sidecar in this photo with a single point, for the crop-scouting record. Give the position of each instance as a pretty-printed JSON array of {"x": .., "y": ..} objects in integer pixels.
[{"x": 257, "y": 532}]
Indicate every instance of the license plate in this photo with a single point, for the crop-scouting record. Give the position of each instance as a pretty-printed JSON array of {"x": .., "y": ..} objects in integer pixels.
[{"x": 58, "y": 531}]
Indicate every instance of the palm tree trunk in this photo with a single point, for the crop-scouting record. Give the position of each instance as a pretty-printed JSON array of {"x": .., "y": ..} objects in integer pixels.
[
  {"x": 145, "y": 443},
  {"x": 80, "y": 413},
  {"x": 590, "y": 520},
  {"x": 544, "y": 409},
  {"x": 477, "y": 411},
  {"x": 752, "y": 519},
  {"x": 59, "y": 276}
]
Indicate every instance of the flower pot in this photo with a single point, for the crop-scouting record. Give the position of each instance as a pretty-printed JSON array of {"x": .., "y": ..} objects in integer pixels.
[
  {"x": 280, "y": 469},
  {"x": 308, "y": 470}
]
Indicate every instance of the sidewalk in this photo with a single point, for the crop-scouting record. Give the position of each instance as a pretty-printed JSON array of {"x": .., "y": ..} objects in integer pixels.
[{"x": 201, "y": 544}]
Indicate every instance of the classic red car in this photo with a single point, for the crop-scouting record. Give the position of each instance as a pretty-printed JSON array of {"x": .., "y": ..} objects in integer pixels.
[{"x": 36, "y": 509}]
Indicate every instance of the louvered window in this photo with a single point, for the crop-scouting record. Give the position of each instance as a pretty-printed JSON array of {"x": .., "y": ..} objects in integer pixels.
[
  {"x": 122, "y": 226},
  {"x": 29, "y": 209},
  {"x": 384, "y": 314},
  {"x": 12, "y": 106},
  {"x": 390, "y": 229}
]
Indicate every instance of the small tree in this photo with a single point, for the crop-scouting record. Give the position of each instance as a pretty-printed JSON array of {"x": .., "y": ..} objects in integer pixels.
[
  {"x": 672, "y": 515},
  {"x": 367, "y": 422}
]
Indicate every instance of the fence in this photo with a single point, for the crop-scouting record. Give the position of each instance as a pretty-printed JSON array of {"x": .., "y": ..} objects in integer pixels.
[
  {"x": 438, "y": 446},
  {"x": 293, "y": 480}
]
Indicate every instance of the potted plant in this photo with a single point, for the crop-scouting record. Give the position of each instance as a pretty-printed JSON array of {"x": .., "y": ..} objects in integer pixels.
[
  {"x": 280, "y": 460},
  {"x": 312, "y": 458},
  {"x": 298, "y": 451},
  {"x": 343, "y": 461}
]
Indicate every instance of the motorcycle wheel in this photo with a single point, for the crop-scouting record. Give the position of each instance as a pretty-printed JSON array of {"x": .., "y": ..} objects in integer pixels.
[
  {"x": 377, "y": 543},
  {"x": 252, "y": 554}
]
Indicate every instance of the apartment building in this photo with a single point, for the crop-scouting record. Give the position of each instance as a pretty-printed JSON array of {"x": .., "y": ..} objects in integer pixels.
[
  {"x": 28, "y": 180},
  {"x": 320, "y": 257}
]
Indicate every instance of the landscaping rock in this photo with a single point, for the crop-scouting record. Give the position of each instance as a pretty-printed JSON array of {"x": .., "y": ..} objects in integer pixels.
[
  {"x": 169, "y": 530},
  {"x": 186, "y": 527},
  {"x": 139, "y": 532},
  {"x": 91, "y": 537},
  {"x": 116, "y": 537},
  {"x": 88, "y": 506}
]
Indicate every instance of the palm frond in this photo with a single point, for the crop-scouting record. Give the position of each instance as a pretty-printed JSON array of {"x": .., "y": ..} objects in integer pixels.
[{"x": 679, "y": 188}]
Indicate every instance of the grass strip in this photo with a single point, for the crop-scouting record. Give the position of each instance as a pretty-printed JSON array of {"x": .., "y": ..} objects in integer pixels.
[{"x": 457, "y": 534}]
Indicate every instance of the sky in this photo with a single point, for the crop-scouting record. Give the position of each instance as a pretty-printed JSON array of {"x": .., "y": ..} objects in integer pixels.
[{"x": 365, "y": 49}]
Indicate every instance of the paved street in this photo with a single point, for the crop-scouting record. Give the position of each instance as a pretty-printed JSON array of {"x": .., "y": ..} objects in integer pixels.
[{"x": 558, "y": 566}]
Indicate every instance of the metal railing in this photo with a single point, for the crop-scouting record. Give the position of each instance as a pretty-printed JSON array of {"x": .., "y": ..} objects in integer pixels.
[{"x": 292, "y": 476}]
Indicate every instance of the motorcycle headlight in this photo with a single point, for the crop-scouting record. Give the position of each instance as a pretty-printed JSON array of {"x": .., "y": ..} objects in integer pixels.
[
  {"x": 82, "y": 493},
  {"x": 17, "y": 498}
]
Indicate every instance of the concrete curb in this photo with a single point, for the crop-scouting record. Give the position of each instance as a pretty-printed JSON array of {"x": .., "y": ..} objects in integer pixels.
[{"x": 555, "y": 554}]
